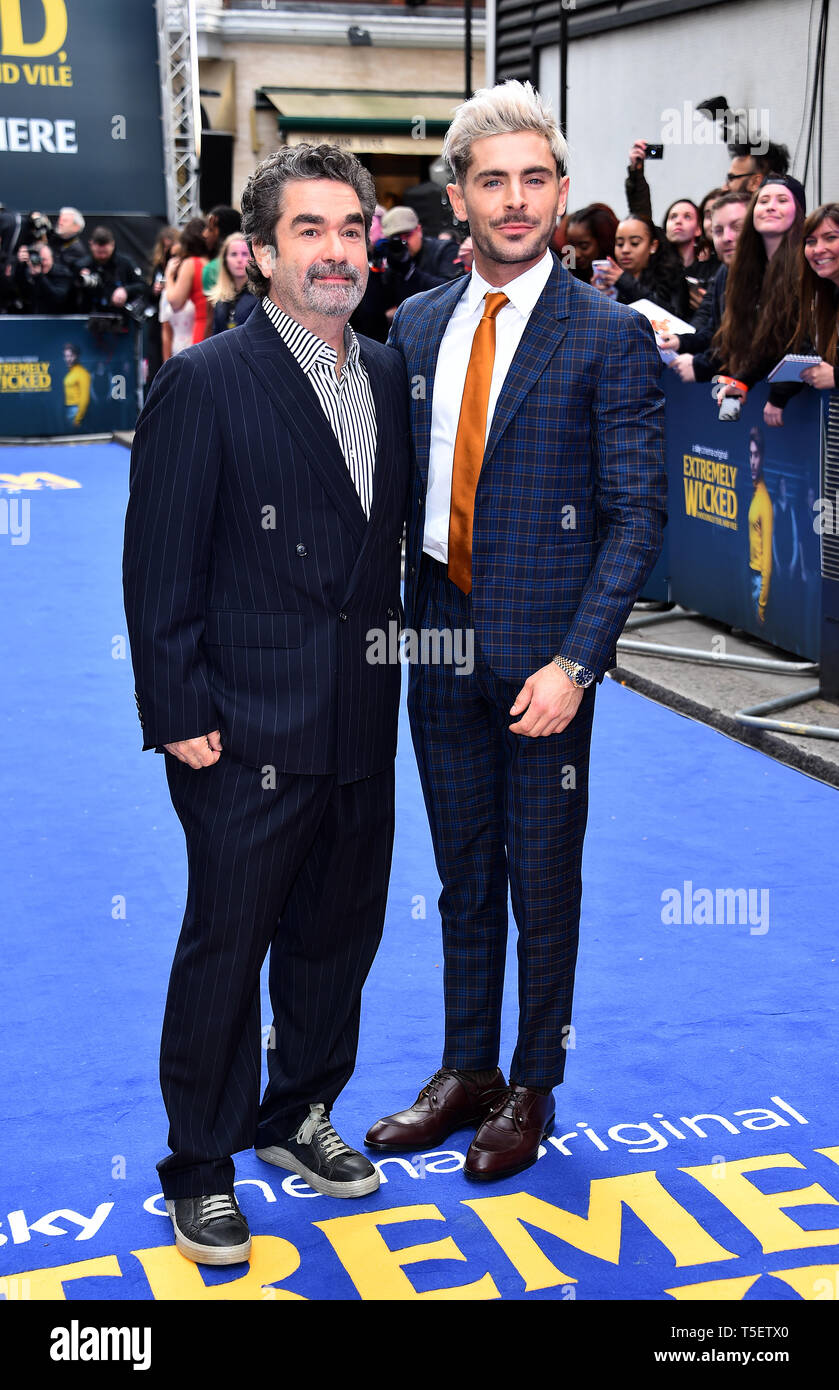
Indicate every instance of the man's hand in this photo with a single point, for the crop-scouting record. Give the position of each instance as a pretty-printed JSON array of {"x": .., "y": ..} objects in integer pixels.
[
  {"x": 197, "y": 752},
  {"x": 550, "y": 700},
  {"x": 772, "y": 415},
  {"x": 118, "y": 297}
]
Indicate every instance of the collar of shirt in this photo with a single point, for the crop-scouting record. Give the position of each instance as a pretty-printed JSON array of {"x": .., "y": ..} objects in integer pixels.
[
  {"x": 306, "y": 347},
  {"x": 522, "y": 292}
]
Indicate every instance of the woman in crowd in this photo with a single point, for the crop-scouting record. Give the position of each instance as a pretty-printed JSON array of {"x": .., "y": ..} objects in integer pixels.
[
  {"x": 176, "y": 325},
  {"x": 706, "y": 215},
  {"x": 818, "y": 319},
  {"x": 644, "y": 266},
  {"x": 183, "y": 276},
  {"x": 230, "y": 299},
  {"x": 762, "y": 292},
  {"x": 818, "y": 323},
  {"x": 591, "y": 232},
  {"x": 683, "y": 229},
  {"x": 155, "y": 278}
]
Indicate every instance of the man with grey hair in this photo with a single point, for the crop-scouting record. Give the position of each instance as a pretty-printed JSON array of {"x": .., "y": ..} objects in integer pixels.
[
  {"x": 536, "y": 513},
  {"x": 70, "y": 254},
  {"x": 263, "y": 542}
]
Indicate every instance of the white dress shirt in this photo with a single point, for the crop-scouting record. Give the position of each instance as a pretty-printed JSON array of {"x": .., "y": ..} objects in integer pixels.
[
  {"x": 347, "y": 402},
  {"x": 450, "y": 378}
]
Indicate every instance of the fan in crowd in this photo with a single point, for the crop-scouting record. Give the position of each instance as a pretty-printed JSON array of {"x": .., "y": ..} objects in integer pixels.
[
  {"x": 762, "y": 290},
  {"x": 817, "y": 330},
  {"x": 695, "y": 362},
  {"x": 222, "y": 222},
  {"x": 683, "y": 227},
  {"x": 183, "y": 280},
  {"x": 591, "y": 233},
  {"x": 644, "y": 266},
  {"x": 230, "y": 299}
]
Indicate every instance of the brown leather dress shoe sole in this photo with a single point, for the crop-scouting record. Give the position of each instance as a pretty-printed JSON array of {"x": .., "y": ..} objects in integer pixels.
[
  {"x": 449, "y": 1101},
  {"x": 508, "y": 1140}
]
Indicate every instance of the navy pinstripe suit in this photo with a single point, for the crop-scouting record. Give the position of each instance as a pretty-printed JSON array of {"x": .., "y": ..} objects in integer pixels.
[
  {"x": 568, "y": 519},
  {"x": 251, "y": 578}
]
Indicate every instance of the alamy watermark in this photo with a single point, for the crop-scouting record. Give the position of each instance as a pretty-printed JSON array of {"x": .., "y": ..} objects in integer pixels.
[
  {"x": 722, "y": 907},
  {"x": 690, "y": 125},
  {"x": 430, "y": 646}
]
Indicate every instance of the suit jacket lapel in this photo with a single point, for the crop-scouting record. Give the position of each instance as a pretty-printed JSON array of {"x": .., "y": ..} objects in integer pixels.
[
  {"x": 292, "y": 395},
  {"x": 443, "y": 309},
  {"x": 543, "y": 333}
]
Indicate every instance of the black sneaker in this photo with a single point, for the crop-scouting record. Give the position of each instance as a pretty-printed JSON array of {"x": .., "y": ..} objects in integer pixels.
[
  {"x": 210, "y": 1230},
  {"x": 320, "y": 1156}
]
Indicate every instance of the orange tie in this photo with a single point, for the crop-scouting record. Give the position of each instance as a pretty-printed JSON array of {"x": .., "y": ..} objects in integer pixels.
[{"x": 469, "y": 443}]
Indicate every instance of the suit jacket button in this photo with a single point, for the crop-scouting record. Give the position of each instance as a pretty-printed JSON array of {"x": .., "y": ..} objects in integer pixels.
[
  {"x": 342, "y": 615},
  {"x": 413, "y": 569},
  {"x": 301, "y": 549},
  {"x": 390, "y": 612}
]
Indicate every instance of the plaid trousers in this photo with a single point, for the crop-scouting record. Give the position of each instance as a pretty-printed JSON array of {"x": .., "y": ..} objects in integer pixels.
[{"x": 505, "y": 811}]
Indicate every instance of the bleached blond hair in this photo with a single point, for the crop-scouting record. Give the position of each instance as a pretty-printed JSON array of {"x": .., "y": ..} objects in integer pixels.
[{"x": 505, "y": 109}]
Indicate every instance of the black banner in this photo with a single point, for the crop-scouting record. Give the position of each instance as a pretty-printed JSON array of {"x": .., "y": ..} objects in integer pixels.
[{"x": 80, "y": 106}]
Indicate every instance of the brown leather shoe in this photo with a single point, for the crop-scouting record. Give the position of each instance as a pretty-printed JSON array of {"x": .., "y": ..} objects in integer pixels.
[
  {"x": 447, "y": 1102},
  {"x": 509, "y": 1138}
]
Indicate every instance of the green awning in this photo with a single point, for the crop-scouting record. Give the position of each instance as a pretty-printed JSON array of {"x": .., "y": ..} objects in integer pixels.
[{"x": 413, "y": 114}]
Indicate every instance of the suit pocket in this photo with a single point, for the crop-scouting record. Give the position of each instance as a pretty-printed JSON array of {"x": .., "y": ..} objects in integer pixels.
[{"x": 226, "y": 627}]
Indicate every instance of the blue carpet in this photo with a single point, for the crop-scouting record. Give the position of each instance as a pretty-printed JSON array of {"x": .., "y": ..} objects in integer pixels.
[{"x": 735, "y": 1021}]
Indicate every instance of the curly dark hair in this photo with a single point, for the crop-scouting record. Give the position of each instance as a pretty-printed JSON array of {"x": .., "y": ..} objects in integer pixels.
[{"x": 262, "y": 196}]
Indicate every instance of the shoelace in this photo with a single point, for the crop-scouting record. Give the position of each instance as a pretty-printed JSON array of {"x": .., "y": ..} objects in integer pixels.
[
  {"x": 433, "y": 1082},
  {"x": 318, "y": 1126},
  {"x": 513, "y": 1099},
  {"x": 221, "y": 1204}
]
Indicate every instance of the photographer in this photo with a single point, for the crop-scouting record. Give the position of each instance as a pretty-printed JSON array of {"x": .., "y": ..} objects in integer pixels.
[
  {"x": 66, "y": 241},
  {"x": 112, "y": 283},
  {"x": 44, "y": 285},
  {"x": 394, "y": 277},
  {"x": 432, "y": 255}
]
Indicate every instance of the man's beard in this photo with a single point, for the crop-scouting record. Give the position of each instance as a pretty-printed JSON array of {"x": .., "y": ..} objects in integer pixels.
[
  {"x": 332, "y": 301},
  {"x": 510, "y": 253}
]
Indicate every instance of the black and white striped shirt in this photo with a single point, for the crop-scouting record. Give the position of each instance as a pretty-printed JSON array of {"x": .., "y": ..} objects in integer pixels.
[{"x": 347, "y": 401}]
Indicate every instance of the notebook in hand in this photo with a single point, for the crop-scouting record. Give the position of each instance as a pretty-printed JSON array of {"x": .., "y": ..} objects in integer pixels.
[{"x": 790, "y": 367}]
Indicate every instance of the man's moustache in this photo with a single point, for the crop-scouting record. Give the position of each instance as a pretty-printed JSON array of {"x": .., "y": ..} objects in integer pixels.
[{"x": 328, "y": 272}]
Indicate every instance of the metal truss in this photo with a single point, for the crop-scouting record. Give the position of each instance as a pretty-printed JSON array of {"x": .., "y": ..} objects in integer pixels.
[{"x": 178, "y": 55}]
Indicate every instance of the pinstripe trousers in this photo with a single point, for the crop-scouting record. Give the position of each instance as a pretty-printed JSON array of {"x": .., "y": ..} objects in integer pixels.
[
  {"x": 505, "y": 811},
  {"x": 300, "y": 870}
]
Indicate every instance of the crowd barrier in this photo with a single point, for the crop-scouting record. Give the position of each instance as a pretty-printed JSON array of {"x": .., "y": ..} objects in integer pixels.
[
  {"x": 743, "y": 553},
  {"x": 60, "y": 377}
]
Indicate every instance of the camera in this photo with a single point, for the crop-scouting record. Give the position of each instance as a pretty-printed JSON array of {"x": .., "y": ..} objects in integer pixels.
[
  {"x": 40, "y": 224},
  {"x": 391, "y": 251},
  {"x": 653, "y": 150},
  {"x": 35, "y": 256}
]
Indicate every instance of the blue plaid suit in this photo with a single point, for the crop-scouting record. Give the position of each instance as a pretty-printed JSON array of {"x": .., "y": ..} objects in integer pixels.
[{"x": 568, "y": 521}]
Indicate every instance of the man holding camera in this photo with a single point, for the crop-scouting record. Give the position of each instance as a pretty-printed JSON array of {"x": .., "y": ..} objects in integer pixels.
[
  {"x": 112, "y": 284},
  {"x": 395, "y": 273},
  {"x": 45, "y": 285}
]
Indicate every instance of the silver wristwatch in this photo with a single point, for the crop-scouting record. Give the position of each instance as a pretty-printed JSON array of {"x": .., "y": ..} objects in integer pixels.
[{"x": 580, "y": 675}]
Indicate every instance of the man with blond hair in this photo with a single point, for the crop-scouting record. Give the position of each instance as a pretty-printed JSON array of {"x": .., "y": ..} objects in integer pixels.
[{"x": 536, "y": 513}]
